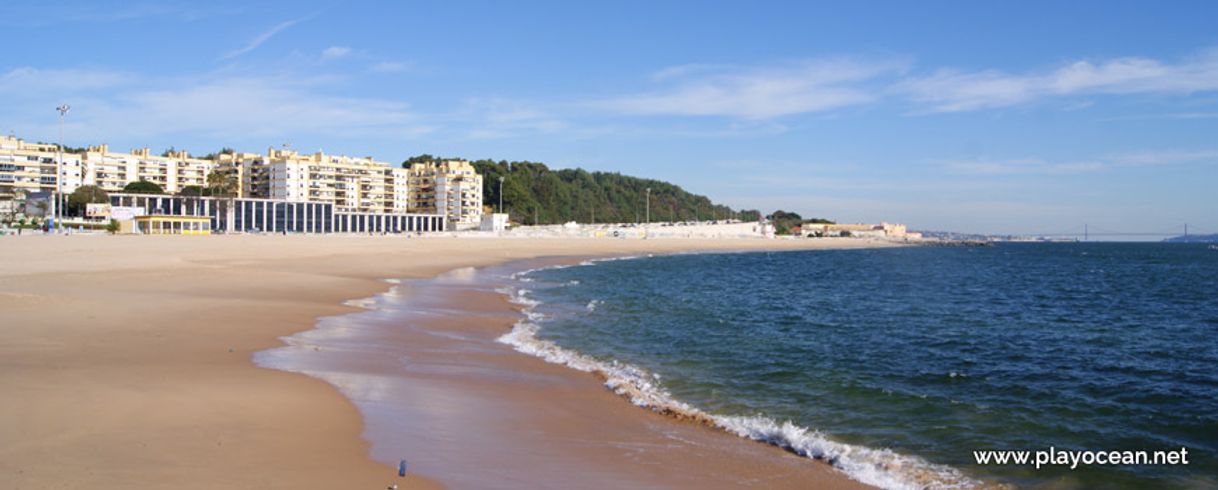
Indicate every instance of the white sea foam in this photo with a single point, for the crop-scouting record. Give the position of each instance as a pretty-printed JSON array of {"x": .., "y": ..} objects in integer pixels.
[
  {"x": 593, "y": 304},
  {"x": 878, "y": 467},
  {"x": 612, "y": 259}
]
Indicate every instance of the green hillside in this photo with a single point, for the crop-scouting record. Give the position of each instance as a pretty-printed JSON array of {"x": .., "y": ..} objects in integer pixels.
[{"x": 535, "y": 194}]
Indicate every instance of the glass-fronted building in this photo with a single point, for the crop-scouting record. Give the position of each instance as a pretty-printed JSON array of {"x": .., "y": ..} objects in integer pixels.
[{"x": 250, "y": 215}]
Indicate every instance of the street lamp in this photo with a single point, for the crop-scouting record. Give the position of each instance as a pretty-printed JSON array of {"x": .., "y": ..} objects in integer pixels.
[
  {"x": 648, "y": 207},
  {"x": 500, "y": 194},
  {"x": 56, "y": 208}
]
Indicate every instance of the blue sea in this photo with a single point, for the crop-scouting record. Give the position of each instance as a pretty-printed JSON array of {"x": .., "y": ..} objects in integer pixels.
[{"x": 895, "y": 365}]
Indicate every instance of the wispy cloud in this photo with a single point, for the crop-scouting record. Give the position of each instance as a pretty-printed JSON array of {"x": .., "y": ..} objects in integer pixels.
[
  {"x": 334, "y": 52},
  {"x": 951, "y": 90},
  {"x": 97, "y": 12},
  {"x": 262, "y": 38},
  {"x": 121, "y": 107},
  {"x": 766, "y": 92},
  {"x": 390, "y": 67},
  {"x": 1169, "y": 115},
  {"x": 1036, "y": 165},
  {"x": 493, "y": 118},
  {"x": 757, "y": 92},
  {"x": 27, "y": 81}
]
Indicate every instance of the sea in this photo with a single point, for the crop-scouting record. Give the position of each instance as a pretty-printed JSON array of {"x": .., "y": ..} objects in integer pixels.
[{"x": 895, "y": 365}]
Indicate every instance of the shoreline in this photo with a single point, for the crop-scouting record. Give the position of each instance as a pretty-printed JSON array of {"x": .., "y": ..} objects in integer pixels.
[
  {"x": 448, "y": 332},
  {"x": 208, "y": 417}
]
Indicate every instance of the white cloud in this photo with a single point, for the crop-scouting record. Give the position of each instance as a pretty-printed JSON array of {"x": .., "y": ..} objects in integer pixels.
[
  {"x": 494, "y": 118},
  {"x": 390, "y": 67},
  {"x": 240, "y": 108},
  {"x": 1034, "y": 165},
  {"x": 261, "y": 38},
  {"x": 26, "y": 81},
  {"x": 222, "y": 109},
  {"x": 949, "y": 90},
  {"x": 1166, "y": 157},
  {"x": 334, "y": 52},
  {"x": 757, "y": 92}
]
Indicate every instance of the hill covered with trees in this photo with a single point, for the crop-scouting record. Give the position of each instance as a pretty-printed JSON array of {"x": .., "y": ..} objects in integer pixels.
[{"x": 536, "y": 194}]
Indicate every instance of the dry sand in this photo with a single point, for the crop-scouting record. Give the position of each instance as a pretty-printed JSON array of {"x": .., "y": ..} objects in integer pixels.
[{"x": 125, "y": 362}]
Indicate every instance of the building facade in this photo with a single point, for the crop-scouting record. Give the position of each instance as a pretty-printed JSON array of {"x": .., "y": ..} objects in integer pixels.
[
  {"x": 450, "y": 188},
  {"x": 27, "y": 168},
  {"x": 351, "y": 184},
  {"x": 254, "y": 215},
  {"x": 173, "y": 171}
]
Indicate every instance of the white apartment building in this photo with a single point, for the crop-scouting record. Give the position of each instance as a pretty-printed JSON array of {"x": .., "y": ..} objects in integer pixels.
[
  {"x": 31, "y": 167},
  {"x": 451, "y": 188},
  {"x": 173, "y": 171},
  {"x": 350, "y": 183}
]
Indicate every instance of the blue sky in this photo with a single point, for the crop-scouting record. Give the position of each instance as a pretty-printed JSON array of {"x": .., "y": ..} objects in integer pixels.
[{"x": 1023, "y": 117}]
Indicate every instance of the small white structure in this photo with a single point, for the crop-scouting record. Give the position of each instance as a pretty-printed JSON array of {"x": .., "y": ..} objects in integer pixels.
[{"x": 496, "y": 222}]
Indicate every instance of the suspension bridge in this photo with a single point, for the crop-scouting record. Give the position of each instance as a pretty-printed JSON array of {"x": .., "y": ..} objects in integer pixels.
[{"x": 1086, "y": 232}]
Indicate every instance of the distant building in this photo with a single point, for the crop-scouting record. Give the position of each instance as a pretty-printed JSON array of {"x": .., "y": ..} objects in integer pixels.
[
  {"x": 451, "y": 188},
  {"x": 173, "y": 171},
  {"x": 255, "y": 215},
  {"x": 351, "y": 184},
  {"x": 880, "y": 230},
  {"x": 495, "y": 222},
  {"x": 30, "y": 167}
]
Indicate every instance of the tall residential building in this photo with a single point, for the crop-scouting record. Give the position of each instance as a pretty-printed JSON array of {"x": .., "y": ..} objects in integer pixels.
[
  {"x": 173, "y": 171},
  {"x": 350, "y": 183},
  {"x": 451, "y": 188},
  {"x": 30, "y": 167}
]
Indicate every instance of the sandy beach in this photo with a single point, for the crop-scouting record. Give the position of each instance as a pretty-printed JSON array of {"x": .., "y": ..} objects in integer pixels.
[{"x": 127, "y": 364}]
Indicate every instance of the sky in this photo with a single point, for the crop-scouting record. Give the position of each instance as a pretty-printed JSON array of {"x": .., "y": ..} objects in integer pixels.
[{"x": 985, "y": 117}]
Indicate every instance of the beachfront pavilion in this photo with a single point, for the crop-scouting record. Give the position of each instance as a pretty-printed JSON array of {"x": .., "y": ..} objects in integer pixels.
[
  {"x": 255, "y": 215},
  {"x": 158, "y": 224}
]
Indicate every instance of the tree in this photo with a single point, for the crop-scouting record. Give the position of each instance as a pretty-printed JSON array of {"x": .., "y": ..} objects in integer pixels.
[
  {"x": 194, "y": 191},
  {"x": 223, "y": 151},
  {"x": 784, "y": 221},
  {"x": 84, "y": 195},
  {"x": 143, "y": 187},
  {"x": 424, "y": 158},
  {"x": 221, "y": 184}
]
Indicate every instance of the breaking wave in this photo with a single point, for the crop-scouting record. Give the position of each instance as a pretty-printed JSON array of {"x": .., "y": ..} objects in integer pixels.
[{"x": 883, "y": 468}]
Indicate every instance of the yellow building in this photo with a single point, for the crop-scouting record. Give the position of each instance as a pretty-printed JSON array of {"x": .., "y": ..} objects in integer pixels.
[
  {"x": 156, "y": 224},
  {"x": 451, "y": 188}
]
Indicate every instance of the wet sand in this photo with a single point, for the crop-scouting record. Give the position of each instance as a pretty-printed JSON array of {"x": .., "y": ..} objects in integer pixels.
[{"x": 127, "y": 364}]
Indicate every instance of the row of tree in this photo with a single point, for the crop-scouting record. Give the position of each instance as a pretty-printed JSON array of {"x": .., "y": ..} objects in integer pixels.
[
  {"x": 785, "y": 222},
  {"x": 536, "y": 194},
  {"x": 219, "y": 184}
]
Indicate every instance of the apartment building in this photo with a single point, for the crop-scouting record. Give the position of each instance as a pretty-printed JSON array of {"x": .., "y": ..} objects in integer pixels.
[
  {"x": 350, "y": 183},
  {"x": 450, "y": 188},
  {"x": 27, "y": 168},
  {"x": 173, "y": 171}
]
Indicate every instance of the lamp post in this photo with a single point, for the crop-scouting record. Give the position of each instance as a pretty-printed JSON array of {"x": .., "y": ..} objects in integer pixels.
[
  {"x": 500, "y": 194},
  {"x": 56, "y": 207},
  {"x": 648, "y": 206}
]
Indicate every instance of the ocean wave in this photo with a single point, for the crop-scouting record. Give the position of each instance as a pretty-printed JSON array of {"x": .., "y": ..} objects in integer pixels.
[
  {"x": 613, "y": 259},
  {"x": 878, "y": 467},
  {"x": 593, "y": 304}
]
